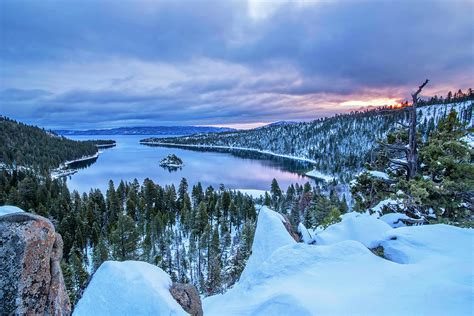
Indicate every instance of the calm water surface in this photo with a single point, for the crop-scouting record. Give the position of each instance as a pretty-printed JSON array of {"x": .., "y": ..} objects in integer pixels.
[{"x": 236, "y": 170}]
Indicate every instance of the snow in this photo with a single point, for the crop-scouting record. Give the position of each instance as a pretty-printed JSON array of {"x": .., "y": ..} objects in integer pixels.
[
  {"x": 62, "y": 170},
  {"x": 316, "y": 174},
  {"x": 469, "y": 139},
  {"x": 363, "y": 228},
  {"x": 394, "y": 219},
  {"x": 128, "y": 288},
  {"x": 378, "y": 174},
  {"x": 306, "y": 235},
  {"x": 346, "y": 278},
  {"x": 415, "y": 244},
  {"x": 9, "y": 209},
  {"x": 377, "y": 209},
  {"x": 252, "y": 192},
  {"x": 268, "y": 237}
]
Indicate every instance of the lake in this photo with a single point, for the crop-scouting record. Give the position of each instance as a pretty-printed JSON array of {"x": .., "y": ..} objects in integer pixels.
[{"x": 235, "y": 169}]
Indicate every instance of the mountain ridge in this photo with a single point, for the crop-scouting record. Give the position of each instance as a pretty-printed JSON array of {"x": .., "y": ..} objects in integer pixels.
[{"x": 147, "y": 130}]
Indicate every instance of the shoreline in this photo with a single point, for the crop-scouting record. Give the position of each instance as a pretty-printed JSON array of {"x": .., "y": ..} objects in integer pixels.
[
  {"x": 62, "y": 170},
  {"x": 312, "y": 174},
  {"x": 68, "y": 162},
  {"x": 106, "y": 145}
]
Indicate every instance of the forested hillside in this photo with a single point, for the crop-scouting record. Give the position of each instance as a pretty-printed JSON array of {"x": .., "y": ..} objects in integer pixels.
[
  {"x": 198, "y": 235},
  {"x": 23, "y": 145},
  {"x": 203, "y": 237},
  {"x": 339, "y": 145}
]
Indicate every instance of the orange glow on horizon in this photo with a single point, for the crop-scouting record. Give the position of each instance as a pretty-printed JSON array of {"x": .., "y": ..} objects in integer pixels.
[{"x": 373, "y": 102}]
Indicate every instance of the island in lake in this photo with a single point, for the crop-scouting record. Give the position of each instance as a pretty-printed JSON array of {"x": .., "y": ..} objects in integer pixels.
[{"x": 171, "y": 162}]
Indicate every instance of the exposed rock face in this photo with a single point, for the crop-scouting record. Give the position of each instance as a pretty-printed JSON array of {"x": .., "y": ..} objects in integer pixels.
[
  {"x": 188, "y": 297},
  {"x": 31, "y": 280},
  {"x": 289, "y": 229}
]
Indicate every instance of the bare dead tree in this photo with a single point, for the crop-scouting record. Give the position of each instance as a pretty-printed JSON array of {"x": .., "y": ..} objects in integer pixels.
[{"x": 410, "y": 150}]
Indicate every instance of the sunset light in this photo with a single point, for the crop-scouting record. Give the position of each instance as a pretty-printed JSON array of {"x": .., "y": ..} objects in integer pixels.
[{"x": 372, "y": 102}]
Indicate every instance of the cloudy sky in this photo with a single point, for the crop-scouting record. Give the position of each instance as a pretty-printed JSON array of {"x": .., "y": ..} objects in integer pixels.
[{"x": 101, "y": 64}]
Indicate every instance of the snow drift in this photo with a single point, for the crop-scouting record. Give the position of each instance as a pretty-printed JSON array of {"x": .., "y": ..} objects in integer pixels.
[
  {"x": 364, "y": 228},
  {"x": 430, "y": 272},
  {"x": 128, "y": 288}
]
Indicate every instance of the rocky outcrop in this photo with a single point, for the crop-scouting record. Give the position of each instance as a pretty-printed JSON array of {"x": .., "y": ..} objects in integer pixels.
[
  {"x": 289, "y": 228},
  {"x": 31, "y": 280},
  {"x": 188, "y": 297}
]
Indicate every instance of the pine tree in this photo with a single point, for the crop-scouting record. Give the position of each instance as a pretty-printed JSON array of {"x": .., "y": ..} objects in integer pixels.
[
  {"x": 124, "y": 239},
  {"x": 215, "y": 264},
  {"x": 275, "y": 192},
  {"x": 113, "y": 207},
  {"x": 100, "y": 254}
]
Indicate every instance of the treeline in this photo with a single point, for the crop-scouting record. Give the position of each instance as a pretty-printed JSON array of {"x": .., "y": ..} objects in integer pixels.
[
  {"x": 101, "y": 141},
  {"x": 314, "y": 206},
  {"x": 340, "y": 145},
  {"x": 204, "y": 237},
  {"x": 28, "y": 146},
  {"x": 455, "y": 97}
]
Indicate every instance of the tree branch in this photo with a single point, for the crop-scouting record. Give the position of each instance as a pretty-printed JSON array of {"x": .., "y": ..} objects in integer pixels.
[
  {"x": 415, "y": 95},
  {"x": 402, "y": 125},
  {"x": 399, "y": 162},
  {"x": 394, "y": 147}
]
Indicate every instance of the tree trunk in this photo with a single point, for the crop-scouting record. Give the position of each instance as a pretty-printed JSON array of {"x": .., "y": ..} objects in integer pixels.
[
  {"x": 412, "y": 153},
  {"x": 412, "y": 157}
]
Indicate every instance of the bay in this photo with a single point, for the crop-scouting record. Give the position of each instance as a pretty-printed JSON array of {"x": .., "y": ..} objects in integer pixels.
[{"x": 235, "y": 169}]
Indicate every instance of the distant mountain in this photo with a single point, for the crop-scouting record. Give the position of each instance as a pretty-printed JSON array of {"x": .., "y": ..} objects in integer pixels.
[
  {"x": 282, "y": 123},
  {"x": 149, "y": 130}
]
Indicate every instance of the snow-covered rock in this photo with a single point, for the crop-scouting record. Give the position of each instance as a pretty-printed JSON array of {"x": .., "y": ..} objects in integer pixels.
[
  {"x": 346, "y": 278},
  {"x": 394, "y": 219},
  {"x": 128, "y": 288},
  {"x": 270, "y": 235},
  {"x": 9, "y": 209},
  {"x": 387, "y": 203},
  {"x": 305, "y": 234},
  {"x": 431, "y": 244},
  {"x": 363, "y": 228}
]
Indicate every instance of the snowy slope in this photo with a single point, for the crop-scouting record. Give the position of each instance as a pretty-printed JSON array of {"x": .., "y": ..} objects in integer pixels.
[
  {"x": 128, "y": 288},
  {"x": 337, "y": 146},
  {"x": 346, "y": 278}
]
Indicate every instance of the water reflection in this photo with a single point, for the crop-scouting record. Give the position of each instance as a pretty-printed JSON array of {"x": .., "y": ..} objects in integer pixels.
[{"x": 235, "y": 169}]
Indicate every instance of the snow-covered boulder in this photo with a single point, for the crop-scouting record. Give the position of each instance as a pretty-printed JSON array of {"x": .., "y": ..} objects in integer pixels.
[
  {"x": 387, "y": 204},
  {"x": 429, "y": 243},
  {"x": 128, "y": 288},
  {"x": 9, "y": 209},
  {"x": 363, "y": 228},
  {"x": 394, "y": 219},
  {"x": 346, "y": 278}
]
